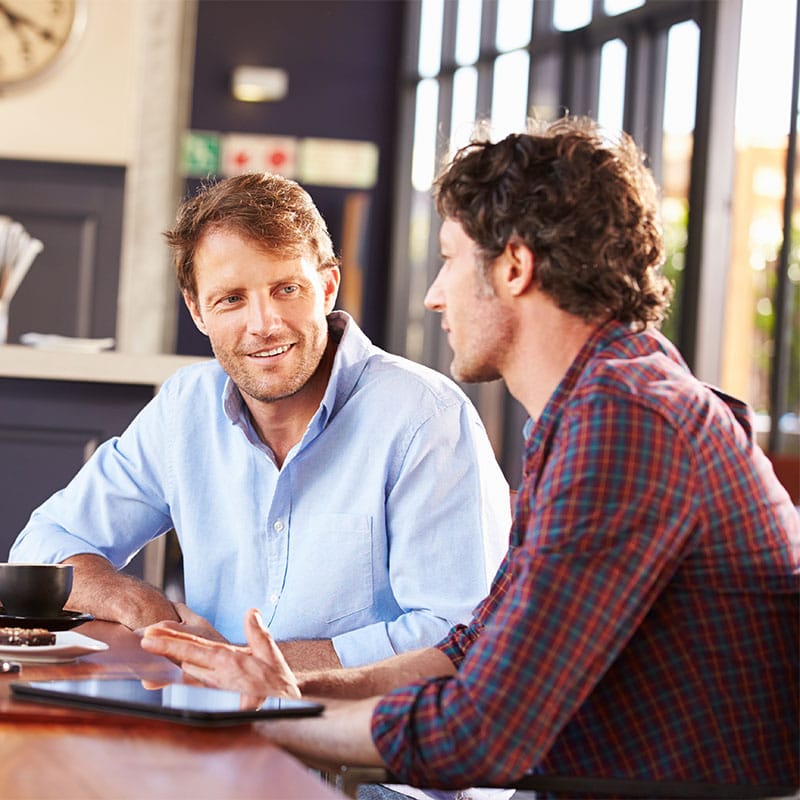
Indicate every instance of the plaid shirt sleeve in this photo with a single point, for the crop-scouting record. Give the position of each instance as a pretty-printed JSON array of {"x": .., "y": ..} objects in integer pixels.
[
  {"x": 462, "y": 637},
  {"x": 610, "y": 512}
]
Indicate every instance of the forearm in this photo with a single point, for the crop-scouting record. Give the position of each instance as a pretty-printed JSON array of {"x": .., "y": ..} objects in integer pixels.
[
  {"x": 310, "y": 655},
  {"x": 378, "y": 678},
  {"x": 342, "y": 735},
  {"x": 99, "y": 589}
]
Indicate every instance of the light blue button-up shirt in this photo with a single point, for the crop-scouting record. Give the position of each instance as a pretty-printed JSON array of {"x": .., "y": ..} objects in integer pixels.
[{"x": 383, "y": 527}]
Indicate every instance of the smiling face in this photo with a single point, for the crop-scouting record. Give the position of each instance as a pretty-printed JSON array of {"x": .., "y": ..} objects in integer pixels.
[
  {"x": 477, "y": 324},
  {"x": 265, "y": 316}
]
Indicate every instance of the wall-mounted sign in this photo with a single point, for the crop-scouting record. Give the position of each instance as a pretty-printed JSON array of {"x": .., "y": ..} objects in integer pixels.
[
  {"x": 200, "y": 154},
  {"x": 243, "y": 152},
  {"x": 338, "y": 162},
  {"x": 317, "y": 162}
]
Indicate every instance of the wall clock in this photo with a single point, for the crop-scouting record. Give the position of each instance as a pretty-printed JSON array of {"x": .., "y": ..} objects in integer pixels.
[{"x": 35, "y": 36}]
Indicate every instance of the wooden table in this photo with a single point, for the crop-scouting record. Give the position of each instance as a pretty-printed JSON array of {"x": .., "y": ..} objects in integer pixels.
[{"x": 51, "y": 752}]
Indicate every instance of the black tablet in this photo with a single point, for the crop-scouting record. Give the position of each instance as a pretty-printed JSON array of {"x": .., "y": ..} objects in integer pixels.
[{"x": 177, "y": 702}]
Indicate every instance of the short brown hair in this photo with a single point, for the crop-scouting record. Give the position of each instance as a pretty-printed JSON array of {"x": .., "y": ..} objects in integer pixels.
[
  {"x": 272, "y": 211},
  {"x": 586, "y": 207}
]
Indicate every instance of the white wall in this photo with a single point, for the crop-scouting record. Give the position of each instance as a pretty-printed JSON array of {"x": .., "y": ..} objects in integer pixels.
[
  {"x": 121, "y": 98},
  {"x": 83, "y": 110}
]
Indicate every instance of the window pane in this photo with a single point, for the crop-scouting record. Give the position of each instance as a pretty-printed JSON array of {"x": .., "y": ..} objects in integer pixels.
[
  {"x": 614, "y": 7},
  {"x": 680, "y": 90},
  {"x": 465, "y": 89},
  {"x": 468, "y": 31},
  {"x": 510, "y": 93},
  {"x": 765, "y": 70},
  {"x": 611, "y": 104},
  {"x": 419, "y": 236},
  {"x": 789, "y": 424},
  {"x": 430, "y": 38},
  {"x": 763, "y": 104},
  {"x": 571, "y": 14},
  {"x": 513, "y": 24},
  {"x": 423, "y": 154}
]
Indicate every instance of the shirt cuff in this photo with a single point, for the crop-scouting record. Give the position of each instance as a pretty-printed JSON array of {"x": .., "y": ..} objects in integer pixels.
[
  {"x": 389, "y": 729},
  {"x": 456, "y": 644},
  {"x": 363, "y": 645}
]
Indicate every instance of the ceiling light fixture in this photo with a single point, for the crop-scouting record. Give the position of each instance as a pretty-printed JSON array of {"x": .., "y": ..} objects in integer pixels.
[{"x": 259, "y": 84}]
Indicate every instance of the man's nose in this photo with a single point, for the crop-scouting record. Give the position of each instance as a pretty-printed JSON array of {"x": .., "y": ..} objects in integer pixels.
[
  {"x": 434, "y": 297},
  {"x": 262, "y": 315}
]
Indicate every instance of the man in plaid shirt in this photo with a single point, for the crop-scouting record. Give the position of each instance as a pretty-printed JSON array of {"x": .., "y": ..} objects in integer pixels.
[{"x": 644, "y": 624}]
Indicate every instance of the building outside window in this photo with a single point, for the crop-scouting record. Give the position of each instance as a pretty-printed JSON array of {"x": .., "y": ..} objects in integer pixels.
[{"x": 722, "y": 151}]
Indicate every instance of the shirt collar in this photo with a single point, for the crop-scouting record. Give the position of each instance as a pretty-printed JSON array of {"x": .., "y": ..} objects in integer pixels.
[
  {"x": 349, "y": 362},
  {"x": 535, "y": 431}
]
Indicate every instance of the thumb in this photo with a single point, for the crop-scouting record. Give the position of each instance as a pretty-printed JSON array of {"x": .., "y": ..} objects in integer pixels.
[{"x": 264, "y": 647}]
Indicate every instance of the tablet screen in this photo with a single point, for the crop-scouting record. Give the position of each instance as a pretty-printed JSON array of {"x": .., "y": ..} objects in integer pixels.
[{"x": 178, "y": 702}]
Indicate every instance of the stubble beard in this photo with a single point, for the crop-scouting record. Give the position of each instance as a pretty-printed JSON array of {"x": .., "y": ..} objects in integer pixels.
[
  {"x": 473, "y": 373},
  {"x": 272, "y": 388},
  {"x": 491, "y": 331}
]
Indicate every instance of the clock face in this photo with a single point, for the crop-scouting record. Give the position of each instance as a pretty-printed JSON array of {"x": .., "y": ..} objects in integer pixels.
[{"x": 34, "y": 35}]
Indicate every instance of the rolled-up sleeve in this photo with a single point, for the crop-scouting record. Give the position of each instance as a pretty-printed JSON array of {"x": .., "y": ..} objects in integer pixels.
[{"x": 112, "y": 507}]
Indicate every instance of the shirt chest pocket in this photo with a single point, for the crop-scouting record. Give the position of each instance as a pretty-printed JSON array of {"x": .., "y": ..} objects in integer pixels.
[{"x": 343, "y": 567}]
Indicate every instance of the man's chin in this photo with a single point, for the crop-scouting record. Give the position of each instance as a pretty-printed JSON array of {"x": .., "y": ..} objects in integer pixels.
[
  {"x": 473, "y": 373},
  {"x": 271, "y": 394}
]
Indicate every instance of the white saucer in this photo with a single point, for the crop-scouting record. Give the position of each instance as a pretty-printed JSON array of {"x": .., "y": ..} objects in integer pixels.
[{"x": 69, "y": 646}]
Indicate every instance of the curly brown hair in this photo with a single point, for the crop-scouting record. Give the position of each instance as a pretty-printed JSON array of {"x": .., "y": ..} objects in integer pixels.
[
  {"x": 273, "y": 212},
  {"x": 586, "y": 207}
]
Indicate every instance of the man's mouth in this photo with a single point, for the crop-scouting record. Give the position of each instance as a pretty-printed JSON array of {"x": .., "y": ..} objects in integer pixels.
[{"x": 275, "y": 351}]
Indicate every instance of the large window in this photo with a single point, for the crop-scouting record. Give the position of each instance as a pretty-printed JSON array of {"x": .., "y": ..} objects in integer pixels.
[
  {"x": 761, "y": 337},
  {"x": 659, "y": 69}
]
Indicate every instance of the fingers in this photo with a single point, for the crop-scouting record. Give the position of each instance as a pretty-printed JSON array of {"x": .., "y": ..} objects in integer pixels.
[
  {"x": 169, "y": 640},
  {"x": 166, "y": 625},
  {"x": 260, "y": 640},
  {"x": 188, "y": 616},
  {"x": 196, "y": 624},
  {"x": 205, "y": 675},
  {"x": 173, "y": 631},
  {"x": 149, "y": 684},
  {"x": 266, "y": 651},
  {"x": 258, "y": 669}
]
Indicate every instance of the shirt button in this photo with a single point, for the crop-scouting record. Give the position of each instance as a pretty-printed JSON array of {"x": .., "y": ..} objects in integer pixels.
[
  {"x": 278, "y": 525},
  {"x": 273, "y": 598}
]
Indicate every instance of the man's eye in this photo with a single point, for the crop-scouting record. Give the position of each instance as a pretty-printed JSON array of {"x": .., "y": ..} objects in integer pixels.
[
  {"x": 231, "y": 299},
  {"x": 290, "y": 289}
]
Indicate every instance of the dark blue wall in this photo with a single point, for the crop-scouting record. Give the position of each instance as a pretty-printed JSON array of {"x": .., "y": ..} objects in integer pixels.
[{"x": 343, "y": 60}]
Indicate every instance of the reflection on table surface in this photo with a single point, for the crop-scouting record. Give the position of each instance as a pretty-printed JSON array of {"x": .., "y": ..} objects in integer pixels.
[{"x": 63, "y": 753}]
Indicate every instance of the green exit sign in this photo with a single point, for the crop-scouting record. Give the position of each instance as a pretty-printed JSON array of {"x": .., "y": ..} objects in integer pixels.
[{"x": 200, "y": 154}]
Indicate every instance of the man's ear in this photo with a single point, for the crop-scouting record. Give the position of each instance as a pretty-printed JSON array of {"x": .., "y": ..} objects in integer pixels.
[
  {"x": 517, "y": 267},
  {"x": 191, "y": 304},
  {"x": 331, "y": 278}
]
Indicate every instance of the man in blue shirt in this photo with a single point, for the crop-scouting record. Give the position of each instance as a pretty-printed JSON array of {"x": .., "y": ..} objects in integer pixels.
[{"x": 350, "y": 494}]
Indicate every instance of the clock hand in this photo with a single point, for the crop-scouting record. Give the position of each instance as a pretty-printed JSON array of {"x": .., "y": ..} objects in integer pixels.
[{"x": 17, "y": 21}]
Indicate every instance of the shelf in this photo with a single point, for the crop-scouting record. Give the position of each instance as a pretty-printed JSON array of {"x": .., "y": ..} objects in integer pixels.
[{"x": 20, "y": 361}]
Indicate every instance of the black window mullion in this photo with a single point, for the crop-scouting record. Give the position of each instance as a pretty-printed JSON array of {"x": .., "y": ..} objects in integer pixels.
[
  {"x": 645, "y": 83},
  {"x": 432, "y": 332},
  {"x": 488, "y": 52},
  {"x": 689, "y": 305},
  {"x": 581, "y": 76},
  {"x": 781, "y": 364}
]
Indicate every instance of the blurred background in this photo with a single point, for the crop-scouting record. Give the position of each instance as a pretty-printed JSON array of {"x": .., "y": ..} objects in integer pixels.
[{"x": 361, "y": 101}]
